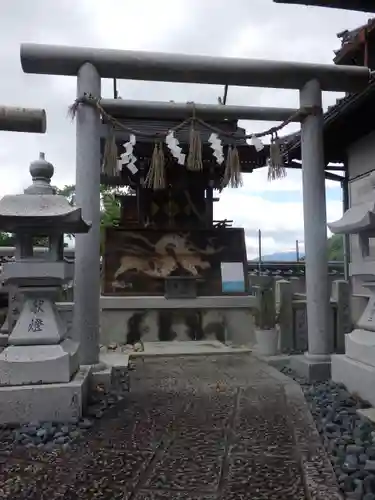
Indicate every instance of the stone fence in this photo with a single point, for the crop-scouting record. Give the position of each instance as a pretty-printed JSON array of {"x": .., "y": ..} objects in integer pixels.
[{"x": 293, "y": 318}]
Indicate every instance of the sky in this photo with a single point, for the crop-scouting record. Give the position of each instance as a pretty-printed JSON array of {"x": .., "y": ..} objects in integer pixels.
[{"x": 240, "y": 28}]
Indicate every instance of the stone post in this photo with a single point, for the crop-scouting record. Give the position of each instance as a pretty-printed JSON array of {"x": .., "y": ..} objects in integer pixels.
[
  {"x": 284, "y": 297},
  {"x": 315, "y": 224},
  {"x": 316, "y": 362},
  {"x": 87, "y": 246},
  {"x": 341, "y": 295}
]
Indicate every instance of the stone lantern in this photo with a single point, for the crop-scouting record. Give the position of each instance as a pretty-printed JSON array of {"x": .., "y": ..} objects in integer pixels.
[{"x": 40, "y": 377}]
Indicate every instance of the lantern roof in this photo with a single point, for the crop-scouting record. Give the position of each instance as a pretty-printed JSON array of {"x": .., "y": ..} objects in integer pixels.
[{"x": 39, "y": 208}]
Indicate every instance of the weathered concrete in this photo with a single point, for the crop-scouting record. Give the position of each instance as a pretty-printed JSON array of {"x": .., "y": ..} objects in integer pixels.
[
  {"x": 197, "y": 428},
  {"x": 87, "y": 247},
  {"x": 45, "y": 402},
  {"x": 30, "y": 120},
  {"x": 314, "y": 202},
  {"x": 167, "y": 67}
]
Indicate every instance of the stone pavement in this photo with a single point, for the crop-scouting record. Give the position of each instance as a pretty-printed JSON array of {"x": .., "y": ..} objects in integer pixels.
[{"x": 222, "y": 427}]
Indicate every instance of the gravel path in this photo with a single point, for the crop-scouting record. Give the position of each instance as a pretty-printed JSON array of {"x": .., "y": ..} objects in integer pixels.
[{"x": 197, "y": 428}]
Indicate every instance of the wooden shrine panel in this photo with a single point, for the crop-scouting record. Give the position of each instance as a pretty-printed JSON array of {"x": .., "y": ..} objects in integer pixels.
[
  {"x": 137, "y": 262},
  {"x": 129, "y": 210},
  {"x": 175, "y": 208}
]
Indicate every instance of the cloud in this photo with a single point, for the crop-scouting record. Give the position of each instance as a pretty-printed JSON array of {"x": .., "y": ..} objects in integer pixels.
[
  {"x": 243, "y": 28},
  {"x": 281, "y": 223}
]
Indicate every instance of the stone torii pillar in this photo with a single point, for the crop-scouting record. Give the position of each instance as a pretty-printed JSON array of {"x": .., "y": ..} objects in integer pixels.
[
  {"x": 311, "y": 78},
  {"x": 87, "y": 246},
  {"x": 315, "y": 365}
]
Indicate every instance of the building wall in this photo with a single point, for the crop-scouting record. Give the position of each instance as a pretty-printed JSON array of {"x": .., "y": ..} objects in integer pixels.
[{"x": 361, "y": 162}]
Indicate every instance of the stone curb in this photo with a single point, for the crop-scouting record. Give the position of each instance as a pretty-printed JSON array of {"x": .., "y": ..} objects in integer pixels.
[{"x": 317, "y": 472}]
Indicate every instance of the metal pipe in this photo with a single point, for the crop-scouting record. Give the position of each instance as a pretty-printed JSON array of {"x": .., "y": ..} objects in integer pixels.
[
  {"x": 155, "y": 66},
  {"x": 31, "y": 120},
  {"x": 259, "y": 251},
  {"x": 122, "y": 108},
  {"x": 346, "y": 237},
  {"x": 225, "y": 94}
]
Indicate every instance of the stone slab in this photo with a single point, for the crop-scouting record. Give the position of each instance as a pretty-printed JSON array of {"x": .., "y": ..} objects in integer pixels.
[
  {"x": 186, "y": 348},
  {"x": 368, "y": 413},
  {"x": 115, "y": 359},
  {"x": 313, "y": 371},
  {"x": 47, "y": 402},
  {"x": 104, "y": 378},
  {"x": 360, "y": 346},
  {"x": 156, "y": 302},
  {"x": 44, "y": 364},
  {"x": 356, "y": 376}
]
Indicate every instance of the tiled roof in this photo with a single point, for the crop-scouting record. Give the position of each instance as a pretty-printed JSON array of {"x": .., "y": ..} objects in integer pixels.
[
  {"x": 343, "y": 107},
  {"x": 359, "y": 5}
]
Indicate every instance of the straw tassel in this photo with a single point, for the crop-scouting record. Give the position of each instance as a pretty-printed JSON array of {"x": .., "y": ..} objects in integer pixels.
[
  {"x": 110, "y": 155},
  {"x": 194, "y": 159},
  {"x": 155, "y": 178},
  {"x": 232, "y": 174},
  {"x": 276, "y": 168}
]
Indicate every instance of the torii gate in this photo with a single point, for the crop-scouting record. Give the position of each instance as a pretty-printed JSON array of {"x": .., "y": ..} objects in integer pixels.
[
  {"x": 91, "y": 64},
  {"x": 30, "y": 120}
]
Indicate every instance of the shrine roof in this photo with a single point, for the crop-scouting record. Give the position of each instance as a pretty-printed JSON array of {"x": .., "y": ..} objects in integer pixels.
[
  {"x": 358, "y": 5},
  {"x": 353, "y": 43},
  {"x": 150, "y": 129},
  {"x": 344, "y": 123}
]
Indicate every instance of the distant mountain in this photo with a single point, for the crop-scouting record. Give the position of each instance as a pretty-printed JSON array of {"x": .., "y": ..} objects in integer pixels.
[{"x": 280, "y": 257}]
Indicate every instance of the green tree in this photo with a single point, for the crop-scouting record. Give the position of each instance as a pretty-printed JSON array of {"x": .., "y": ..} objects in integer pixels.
[
  {"x": 336, "y": 248},
  {"x": 6, "y": 240}
]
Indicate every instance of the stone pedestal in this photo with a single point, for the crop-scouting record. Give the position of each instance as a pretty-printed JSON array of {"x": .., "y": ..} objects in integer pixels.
[
  {"x": 40, "y": 377},
  {"x": 40, "y": 365},
  {"x": 356, "y": 369},
  {"x": 62, "y": 402}
]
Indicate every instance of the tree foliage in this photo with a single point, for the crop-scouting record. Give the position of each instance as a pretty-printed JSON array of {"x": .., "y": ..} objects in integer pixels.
[{"x": 336, "y": 247}]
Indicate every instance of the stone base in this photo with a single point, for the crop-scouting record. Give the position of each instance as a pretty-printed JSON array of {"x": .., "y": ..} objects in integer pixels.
[
  {"x": 360, "y": 346},
  {"x": 356, "y": 376},
  {"x": 313, "y": 371},
  {"x": 45, "y": 403},
  {"x": 42, "y": 364},
  {"x": 223, "y": 318}
]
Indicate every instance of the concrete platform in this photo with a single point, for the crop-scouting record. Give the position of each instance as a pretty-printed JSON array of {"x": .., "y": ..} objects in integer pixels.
[
  {"x": 47, "y": 402},
  {"x": 356, "y": 376}
]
